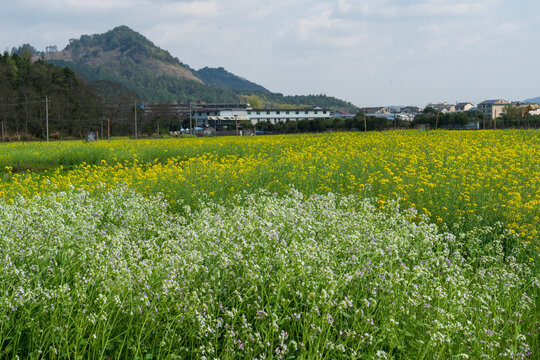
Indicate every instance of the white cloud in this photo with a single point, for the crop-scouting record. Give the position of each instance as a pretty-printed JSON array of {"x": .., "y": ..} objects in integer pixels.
[
  {"x": 344, "y": 6},
  {"x": 394, "y": 9},
  {"x": 78, "y": 5},
  {"x": 198, "y": 9}
]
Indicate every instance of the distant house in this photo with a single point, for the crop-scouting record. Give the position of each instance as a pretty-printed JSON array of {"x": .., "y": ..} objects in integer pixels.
[
  {"x": 535, "y": 112},
  {"x": 411, "y": 110},
  {"x": 405, "y": 116},
  {"x": 381, "y": 110},
  {"x": 342, "y": 114},
  {"x": 493, "y": 108},
  {"x": 527, "y": 108},
  {"x": 463, "y": 106},
  {"x": 443, "y": 107},
  {"x": 209, "y": 130}
]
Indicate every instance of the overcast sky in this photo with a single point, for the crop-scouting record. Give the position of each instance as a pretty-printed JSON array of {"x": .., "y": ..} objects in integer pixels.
[{"x": 369, "y": 52}]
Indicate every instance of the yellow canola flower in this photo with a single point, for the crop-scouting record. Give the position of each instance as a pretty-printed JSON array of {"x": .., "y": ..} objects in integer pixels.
[{"x": 468, "y": 177}]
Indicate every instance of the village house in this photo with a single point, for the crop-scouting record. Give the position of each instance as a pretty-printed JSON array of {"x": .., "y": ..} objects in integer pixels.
[
  {"x": 374, "y": 111},
  {"x": 342, "y": 114},
  {"x": 443, "y": 107},
  {"x": 493, "y": 108},
  {"x": 463, "y": 106},
  {"x": 411, "y": 110}
]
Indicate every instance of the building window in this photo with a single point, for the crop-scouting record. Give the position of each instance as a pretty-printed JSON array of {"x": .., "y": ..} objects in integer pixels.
[
  {"x": 286, "y": 112},
  {"x": 316, "y": 112},
  {"x": 268, "y": 113},
  {"x": 249, "y": 112},
  {"x": 297, "y": 112},
  {"x": 306, "y": 112},
  {"x": 258, "y": 113},
  {"x": 277, "y": 112},
  {"x": 324, "y": 112},
  {"x": 207, "y": 114}
]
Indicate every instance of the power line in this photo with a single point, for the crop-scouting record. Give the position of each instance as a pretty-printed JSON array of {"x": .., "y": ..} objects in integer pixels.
[
  {"x": 21, "y": 98},
  {"x": 22, "y": 104}
]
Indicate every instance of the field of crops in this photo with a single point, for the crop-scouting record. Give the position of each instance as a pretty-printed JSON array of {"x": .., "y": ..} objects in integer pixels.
[{"x": 343, "y": 245}]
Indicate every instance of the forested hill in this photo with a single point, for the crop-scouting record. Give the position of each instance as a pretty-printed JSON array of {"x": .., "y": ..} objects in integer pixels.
[
  {"x": 122, "y": 46},
  {"x": 127, "y": 57},
  {"x": 222, "y": 78}
]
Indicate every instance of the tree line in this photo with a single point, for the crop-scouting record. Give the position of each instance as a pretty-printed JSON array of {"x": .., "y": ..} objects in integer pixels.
[
  {"x": 356, "y": 123},
  {"x": 24, "y": 88},
  {"x": 512, "y": 117},
  {"x": 33, "y": 91},
  {"x": 429, "y": 116}
]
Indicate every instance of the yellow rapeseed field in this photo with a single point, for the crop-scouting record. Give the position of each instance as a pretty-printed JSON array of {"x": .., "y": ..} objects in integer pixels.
[{"x": 460, "y": 179}]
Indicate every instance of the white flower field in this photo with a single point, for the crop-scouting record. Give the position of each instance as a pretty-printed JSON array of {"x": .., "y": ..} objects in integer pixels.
[{"x": 118, "y": 276}]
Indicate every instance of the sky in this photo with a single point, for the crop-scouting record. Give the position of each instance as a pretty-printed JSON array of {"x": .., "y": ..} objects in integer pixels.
[{"x": 368, "y": 52}]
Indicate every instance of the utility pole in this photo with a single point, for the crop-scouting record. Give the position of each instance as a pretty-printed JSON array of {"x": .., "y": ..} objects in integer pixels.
[
  {"x": 109, "y": 129},
  {"x": 437, "y": 121},
  {"x": 47, "y": 116},
  {"x": 190, "y": 125},
  {"x": 3, "y": 132},
  {"x": 135, "y": 119},
  {"x": 365, "y": 122},
  {"x": 178, "y": 112}
]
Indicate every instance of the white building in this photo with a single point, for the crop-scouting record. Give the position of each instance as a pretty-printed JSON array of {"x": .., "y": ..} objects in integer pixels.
[
  {"x": 283, "y": 115},
  {"x": 218, "y": 113},
  {"x": 222, "y": 114}
]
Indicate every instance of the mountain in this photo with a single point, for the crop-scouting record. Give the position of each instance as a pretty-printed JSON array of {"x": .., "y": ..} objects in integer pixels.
[
  {"x": 535, "y": 100},
  {"x": 119, "y": 44},
  {"x": 124, "y": 56},
  {"x": 222, "y": 78}
]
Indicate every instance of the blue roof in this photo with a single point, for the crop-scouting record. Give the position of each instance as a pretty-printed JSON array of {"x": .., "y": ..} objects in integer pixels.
[{"x": 489, "y": 101}]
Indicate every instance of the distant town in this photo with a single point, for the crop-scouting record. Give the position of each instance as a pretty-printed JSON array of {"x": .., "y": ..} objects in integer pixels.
[
  {"x": 210, "y": 118},
  {"x": 490, "y": 108}
]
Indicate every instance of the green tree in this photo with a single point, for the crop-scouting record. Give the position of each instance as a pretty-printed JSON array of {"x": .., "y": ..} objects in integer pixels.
[{"x": 255, "y": 102}]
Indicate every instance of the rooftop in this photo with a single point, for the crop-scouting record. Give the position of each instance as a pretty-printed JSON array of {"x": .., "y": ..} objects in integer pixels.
[{"x": 487, "y": 102}]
